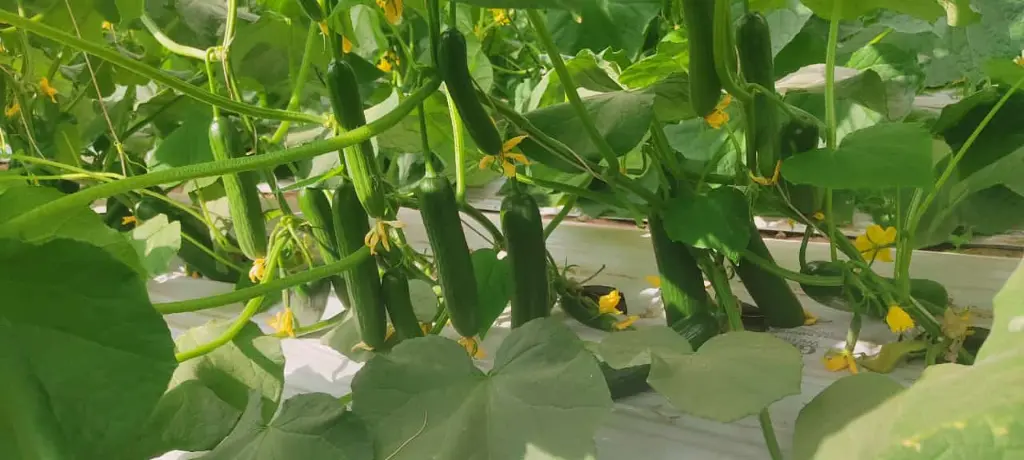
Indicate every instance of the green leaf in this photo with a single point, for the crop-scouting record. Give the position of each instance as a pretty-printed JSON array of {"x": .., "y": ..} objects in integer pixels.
[
  {"x": 309, "y": 301},
  {"x": 493, "y": 283},
  {"x": 187, "y": 145},
  {"x": 672, "y": 98},
  {"x": 1008, "y": 324},
  {"x": 524, "y": 4},
  {"x": 952, "y": 411},
  {"x": 313, "y": 426},
  {"x": 718, "y": 220},
  {"x": 262, "y": 52},
  {"x": 94, "y": 352},
  {"x": 732, "y": 376},
  {"x": 587, "y": 70},
  {"x": 1004, "y": 71},
  {"x": 672, "y": 57},
  {"x": 189, "y": 417},
  {"x": 157, "y": 241},
  {"x": 959, "y": 13},
  {"x": 885, "y": 155},
  {"x": 785, "y": 21},
  {"x": 603, "y": 24},
  {"x": 82, "y": 225},
  {"x": 961, "y": 52},
  {"x": 252, "y": 361},
  {"x": 622, "y": 118},
  {"x": 67, "y": 145},
  {"x": 634, "y": 348},
  {"x": 544, "y": 398},
  {"x": 898, "y": 69},
  {"x": 344, "y": 338},
  {"x": 129, "y": 10},
  {"x": 842, "y": 402},
  {"x": 849, "y": 10}
]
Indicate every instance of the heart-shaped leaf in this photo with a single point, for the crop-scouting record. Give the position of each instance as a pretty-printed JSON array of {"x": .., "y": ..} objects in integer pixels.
[
  {"x": 633, "y": 348},
  {"x": 493, "y": 284},
  {"x": 718, "y": 220},
  {"x": 157, "y": 241}
]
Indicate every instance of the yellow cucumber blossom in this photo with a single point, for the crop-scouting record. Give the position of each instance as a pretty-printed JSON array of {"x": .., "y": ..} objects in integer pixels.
[
  {"x": 426, "y": 328},
  {"x": 388, "y": 62},
  {"x": 653, "y": 280},
  {"x": 362, "y": 346},
  {"x": 771, "y": 180},
  {"x": 898, "y": 319},
  {"x": 1019, "y": 60},
  {"x": 809, "y": 318},
  {"x": 719, "y": 116},
  {"x": 284, "y": 322},
  {"x": 258, "y": 270},
  {"x": 506, "y": 158},
  {"x": 379, "y": 235},
  {"x": 46, "y": 89},
  {"x": 389, "y": 332},
  {"x": 626, "y": 322},
  {"x": 836, "y": 361},
  {"x": 346, "y": 44},
  {"x": 500, "y": 16},
  {"x": 472, "y": 347},
  {"x": 392, "y": 10},
  {"x": 818, "y": 216},
  {"x": 874, "y": 243},
  {"x": 106, "y": 25},
  {"x": 608, "y": 304},
  {"x": 129, "y": 220}
]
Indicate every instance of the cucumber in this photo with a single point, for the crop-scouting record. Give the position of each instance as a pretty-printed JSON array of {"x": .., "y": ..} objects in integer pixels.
[
  {"x": 316, "y": 208},
  {"x": 240, "y": 188},
  {"x": 454, "y": 67},
  {"x": 440, "y": 214},
  {"x": 527, "y": 257},
  {"x": 771, "y": 293},
  {"x": 399, "y": 304},
  {"x": 351, "y": 225},
  {"x": 697, "y": 328},
  {"x": 797, "y": 137},
  {"x": 682, "y": 283},
  {"x": 931, "y": 294},
  {"x": 705, "y": 85},
  {"x": 754, "y": 48},
  {"x": 584, "y": 310}
]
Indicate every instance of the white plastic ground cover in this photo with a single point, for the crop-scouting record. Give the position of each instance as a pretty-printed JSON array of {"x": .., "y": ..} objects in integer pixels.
[{"x": 643, "y": 426}]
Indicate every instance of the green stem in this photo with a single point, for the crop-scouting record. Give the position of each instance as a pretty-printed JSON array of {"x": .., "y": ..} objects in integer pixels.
[
  {"x": 168, "y": 42},
  {"x": 723, "y": 291},
  {"x": 300, "y": 83},
  {"x": 830, "y": 111},
  {"x": 725, "y": 55},
  {"x": 549, "y": 143},
  {"x": 151, "y": 73},
  {"x": 562, "y": 213},
  {"x": 480, "y": 218},
  {"x": 569, "y": 85},
  {"x": 802, "y": 278},
  {"x": 218, "y": 168},
  {"x": 569, "y": 189},
  {"x": 434, "y": 28},
  {"x": 768, "y": 431},
  {"x": 185, "y": 236},
  {"x": 263, "y": 289},
  {"x": 460, "y": 149},
  {"x": 428, "y": 154}
]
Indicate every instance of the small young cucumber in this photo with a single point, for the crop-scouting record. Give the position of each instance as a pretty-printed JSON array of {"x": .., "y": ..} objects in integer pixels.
[
  {"x": 316, "y": 208},
  {"x": 527, "y": 257},
  {"x": 771, "y": 293},
  {"x": 454, "y": 67},
  {"x": 363, "y": 281},
  {"x": 399, "y": 304},
  {"x": 682, "y": 283},
  {"x": 360, "y": 159},
  {"x": 240, "y": 189},
  {"x": 754, "y": 46},
  {"x": 705, "y": 85},
  {"x": 440, "y": 214}
]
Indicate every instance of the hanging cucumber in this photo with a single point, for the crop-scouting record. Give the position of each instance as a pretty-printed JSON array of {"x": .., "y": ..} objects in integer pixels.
[
  {"x": 363, "y": 281},
  {"x": 527, "y": 257},
  {"x": 240, "y": 189},
  {"x": 754, "y": 48},
  {"x": 454, "y": 67},
  {"x": 705, "y": 86},
  {"x": 771, "y": 293},
  {"x": 682, "y": 283},
  {"x": 931, "y": 294},
  {"x": 316, "y": 208},
  {"x": 360, "y": 159},
  {"x": 797, "y": 137},
  {"x": 399, "y": 304},
  {"x": 455, "y": 274}
]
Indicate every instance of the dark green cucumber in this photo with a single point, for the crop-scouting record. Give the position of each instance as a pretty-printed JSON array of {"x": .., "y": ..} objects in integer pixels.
[
  {"x": 399, "y": 304},
  {"x": 771, "y": 293},
  {"x": 316, "y": 208},
  {"x": 754, "y": 49},
  {"x": 454, "y": 66},
  {"x": 584, "y": 310},
  {"x": 527, "y": 257},
  {"x": 682, "y": 283},
  {"x": 797, "y": 137},
  {"x": 698, "y": 328},
  {"x": 441, "y": 220},
  {"x": 351, "y": 225},
  {"x": 360, "y": 159},
  {"x": 115, "y": 213},
  {"x": 931, "y": 294},
  {"x": 240, "y": 188},
  {"x": 705, "y": 85}
]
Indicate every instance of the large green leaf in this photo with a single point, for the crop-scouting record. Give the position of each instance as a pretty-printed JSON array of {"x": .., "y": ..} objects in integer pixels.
[
  {"x": 157, "y": 241},
  {"x": 899, "y": 71},
  {"x": 961, "y": 52},
  {"x": 189, "y": 417},
  {"x": 187, "y": 145},
  {"x": 493, "y": 284},
  {"x": 1008, "y": 324},
  {"x": 81, "y": 225},
  {"x": 603, "y": 24},
  {"x": 885, "y": 155},
  {"x": 840, "y": 403},
  {"x": 251, "y": 361},
  {"x": 524, "y": 4},
  {"x": 588, "y": 71},
  {"x": 634, "y": 348},
  {"x": 849, "y": 10},
  {"x": 309, "y": 426},
  {"x": 263, "y": 51},
  {"x": 88, "y": 360},
  {"x": 732, "y": 376},
  {"x": 671, "y": 57},
  {"x": 622, "y": 118},
  {"x": 718, "y": 220},
  {"x": 544, "y": 398},
  {"x": 786, "y": 22}
]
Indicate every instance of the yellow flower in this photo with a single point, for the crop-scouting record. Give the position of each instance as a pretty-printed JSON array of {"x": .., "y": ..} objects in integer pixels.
[
  {"x": 472, "y": 347},
  {"x": 898, "y": 319},
  {"x": 389, "y": 332},
  {"x": 362, "y": 346},
  {"x": 45, "y": 88},
  {"x": 1019, "y": 60},
  {"x": 196, "y": 275},
  {"x": 608, "y": 304},
  {"x": 107, "y": 26},
  {"x": 13, "y": 109},
  {"x": 719, "y": 116},
  {"x": 346, "y": 44},
  {"x": 426, "y": 327},
  {"x": 379, "y": 234},
  {"x": 770, "y": 181},
  {"x": 818, "y": 216},
  {"x": 284, "y": 322},
  {"x": 258, "y": 270},
  {"x": 500, "y": 16},
  {"x": 874, "y": 243},
  {"x": 809, "y": 318},
  {"x": 392, "y": 10},
  {"x": 388, "y": 61},
  {"x": 625, "y": 323},
  {"x": 506, "y": 158},
  {"x": 129, "y": 220},
  {"x": 837, "y": 361},
  {"x": 654, "y": 280},
  {"x": 956, "y": 323}
]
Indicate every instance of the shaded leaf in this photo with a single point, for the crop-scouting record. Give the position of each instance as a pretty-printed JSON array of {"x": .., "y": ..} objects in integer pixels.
[
  {"x": 924, "y": 9},
  {"x": 1007, "y": 332},
  {"x": 718, "y": 220},
  {"x": 189, "y": 417},
  {"x": 634, "y": 348},
  {"x": 157, "y": 241},
  {"x": 603, "y": 24},
  {"x": 493, "y": 283}
]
